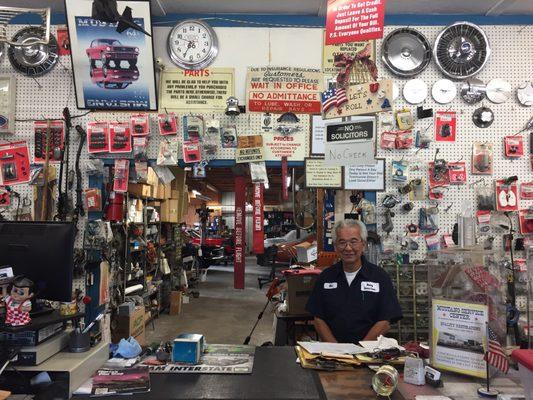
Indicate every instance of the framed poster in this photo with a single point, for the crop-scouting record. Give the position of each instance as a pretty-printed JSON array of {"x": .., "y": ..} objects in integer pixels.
[
  {"x": 112, "y": 71},
  {"x": 351, "y": 142},
  {"x": 459, "y": 337},
  {"x": 365, "y": 177},
  {"x": 320, "y": 175}
]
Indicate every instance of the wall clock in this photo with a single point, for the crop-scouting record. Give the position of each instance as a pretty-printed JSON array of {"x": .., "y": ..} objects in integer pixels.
[{"x": 192, "y": 44}]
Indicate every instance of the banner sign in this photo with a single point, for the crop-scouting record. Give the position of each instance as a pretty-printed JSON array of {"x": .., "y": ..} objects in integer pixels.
[
  {"x": 458, "y": 337},
  {"x": 204, "y": 90},
  {"x": 240, "y": 224},
  {"x": 350, "y": 143},
  {"x": 329, "y": 51},
  {"x": 354, "y": 20},
  {"x": 284, "y": 89},
  {"x": 367, "y": 98},
  {"x": 319, "y": 175},
  {"x": 249, "y": 149},
  {"x": 365, "y": 177},
  {"x": 259, "y": 238}
]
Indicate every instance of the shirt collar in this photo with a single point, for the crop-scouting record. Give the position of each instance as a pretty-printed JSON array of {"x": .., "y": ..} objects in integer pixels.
[{"x": 365, "y": 270}]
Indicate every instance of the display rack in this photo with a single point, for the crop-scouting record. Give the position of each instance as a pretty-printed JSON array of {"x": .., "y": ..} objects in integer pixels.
[{"x": 411, "y": 283}]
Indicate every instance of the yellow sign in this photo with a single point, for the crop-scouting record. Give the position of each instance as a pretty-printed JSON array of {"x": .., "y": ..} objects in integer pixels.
[
  {"x": 459, "y": 337},
  {"x": 350, "y": 49},
  {"x": 320, "y": 175},
  {"x": 189, "y": 91},
  {"x": 249, "y": 149}
]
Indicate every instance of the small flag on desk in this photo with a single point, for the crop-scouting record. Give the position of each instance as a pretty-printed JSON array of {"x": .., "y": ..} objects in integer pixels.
[
  {"x": 495, "y": 356},
  {"x": 329, "y": 100}
]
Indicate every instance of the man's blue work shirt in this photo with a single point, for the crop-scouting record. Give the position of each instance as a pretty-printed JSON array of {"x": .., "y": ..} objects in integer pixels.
[{"x": 351, "y": 311}]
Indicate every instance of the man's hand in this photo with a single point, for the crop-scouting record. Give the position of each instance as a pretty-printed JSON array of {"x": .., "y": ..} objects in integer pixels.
[
  {"x": 379, "y": 328},
  {"x": 323, "y": 330}
]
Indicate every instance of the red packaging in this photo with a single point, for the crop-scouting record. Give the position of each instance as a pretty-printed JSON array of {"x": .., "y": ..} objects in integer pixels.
[
  {"x": 442, "y": 180},
  {"x": 56, "y": 141},
  {"x": 93, "y": 199},
  {"x": 457, "y": 172},
  {"x": 445, "y": 126},
  {"x": 5, "y": 197},
  {"x": 506, "y": 196},
  {"x": 140, "y": 125},
  {"x": 191, "y": 151},
  {"x": 119, "y": 137},
  {"x": 404, "y": 139},
  {"x": 14, "y": 163},
  {"x": 120, "y": 181},
  {"x": 526, "y": 190},
  {"x": 514, "y": 146},
  {"x": 388, "y": 140},
  {"x": 98, "y": 137},
  {"x": 526, "y": 221},
  {"x": 63, "y": 41},
  {"x": 168, "y": 124}
]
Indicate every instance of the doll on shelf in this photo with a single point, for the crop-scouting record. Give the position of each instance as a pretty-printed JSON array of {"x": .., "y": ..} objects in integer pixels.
[{"x": 18, "y": 304}]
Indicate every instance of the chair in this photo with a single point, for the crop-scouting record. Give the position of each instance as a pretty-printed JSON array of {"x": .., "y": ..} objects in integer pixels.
[{"x": 270, "y": 260}]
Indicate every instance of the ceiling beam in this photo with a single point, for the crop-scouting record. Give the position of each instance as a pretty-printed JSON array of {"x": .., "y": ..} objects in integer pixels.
[
  {"x": 499, "y": 8},
  {"x": 160, "y": 4}
]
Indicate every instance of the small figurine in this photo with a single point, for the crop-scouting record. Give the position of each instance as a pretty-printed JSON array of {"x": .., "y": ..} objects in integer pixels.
[{"x": 18, "y": 302}]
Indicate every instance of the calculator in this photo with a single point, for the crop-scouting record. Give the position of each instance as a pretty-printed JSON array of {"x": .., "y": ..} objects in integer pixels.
[{"x": 7, "y": 104}]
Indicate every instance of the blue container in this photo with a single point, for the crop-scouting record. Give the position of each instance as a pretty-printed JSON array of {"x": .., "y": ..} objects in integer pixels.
[{"x": 187, "y": 348}]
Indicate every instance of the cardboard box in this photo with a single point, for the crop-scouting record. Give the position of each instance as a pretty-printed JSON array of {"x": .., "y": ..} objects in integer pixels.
[
  {"x": 139, "y": 190},
  {"x": 152, "y": 179},
  {"x": 306, "y": 252},
  {"x": 170, "y": 210},
  {"x": 129, "y": 325},
  {"x": 178, "y": 184},
  {"x": 175, "y": 303},
  {"x": 300, "y": 284}
]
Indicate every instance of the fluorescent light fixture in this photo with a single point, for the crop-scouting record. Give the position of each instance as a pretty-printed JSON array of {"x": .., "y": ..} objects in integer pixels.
[
  {"x": 196, "y": 193},
  {"x": 267, "y": 186},
  {"x": 211, "y": 187},
  {"x": 288, "y": 181}
]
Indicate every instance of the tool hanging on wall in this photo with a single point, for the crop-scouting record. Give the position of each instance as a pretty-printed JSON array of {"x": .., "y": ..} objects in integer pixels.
[
  {"x": 44, "y": 199},
  {"x": 63, "y": 199},
  {"x": 78, "y": 210}
]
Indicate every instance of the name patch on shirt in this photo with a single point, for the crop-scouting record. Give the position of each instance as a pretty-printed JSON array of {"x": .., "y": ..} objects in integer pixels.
[
  {"x": 330, "y": 285},
  {"x": 370, "y": 286}
]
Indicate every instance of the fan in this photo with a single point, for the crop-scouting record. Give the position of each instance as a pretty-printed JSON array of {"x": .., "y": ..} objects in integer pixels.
[{"x": 461, "y": 50}]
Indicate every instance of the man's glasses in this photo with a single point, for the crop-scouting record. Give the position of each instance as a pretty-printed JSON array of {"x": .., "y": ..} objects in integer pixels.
[{"x": 341, "y": 245}]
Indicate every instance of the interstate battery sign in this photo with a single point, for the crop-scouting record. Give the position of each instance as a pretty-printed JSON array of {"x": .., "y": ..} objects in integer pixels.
[{"x": 351, "y": 142}]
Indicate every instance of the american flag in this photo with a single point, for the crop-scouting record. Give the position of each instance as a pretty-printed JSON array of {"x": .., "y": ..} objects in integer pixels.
[
  {"x": 341, "y": 97},
  {"x": 496, "y": 356},
  {"x": 329, "y": 99}
]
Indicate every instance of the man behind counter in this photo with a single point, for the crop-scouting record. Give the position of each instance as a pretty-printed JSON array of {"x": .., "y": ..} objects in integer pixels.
[{"x": 353, "y": 299}]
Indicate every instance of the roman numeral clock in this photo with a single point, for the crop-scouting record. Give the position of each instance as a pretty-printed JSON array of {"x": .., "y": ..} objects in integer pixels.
[{"x": 192, "y": 44}]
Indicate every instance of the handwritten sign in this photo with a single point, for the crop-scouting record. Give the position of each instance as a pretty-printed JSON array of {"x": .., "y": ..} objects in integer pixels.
[
  {"x": 329, "y": 51},
  {"x": 249, "y": 149},
  {"x": 365, "y": 177},
  {"x": 284, "y": 89},
  {"x": 204, "y": 90},
  {"x": 354, "y": 20},
  {"x": 350, "y": 143},
  {"x": 367, "y": 98},
  {"x": 320, "y": 175}
]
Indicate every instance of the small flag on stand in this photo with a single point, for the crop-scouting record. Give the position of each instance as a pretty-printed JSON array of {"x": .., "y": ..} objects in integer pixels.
[{"x": 495, "y": 355}]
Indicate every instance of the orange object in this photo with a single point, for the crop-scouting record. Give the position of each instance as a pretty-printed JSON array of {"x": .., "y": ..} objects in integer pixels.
[{"x": 326, "y": 259}]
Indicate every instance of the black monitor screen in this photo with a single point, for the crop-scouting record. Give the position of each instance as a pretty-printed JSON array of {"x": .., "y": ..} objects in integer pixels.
[{"x": 43, "y": 252}]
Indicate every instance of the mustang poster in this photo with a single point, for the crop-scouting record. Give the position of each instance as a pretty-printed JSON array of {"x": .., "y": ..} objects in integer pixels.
[{"x": 112, "y": 70}]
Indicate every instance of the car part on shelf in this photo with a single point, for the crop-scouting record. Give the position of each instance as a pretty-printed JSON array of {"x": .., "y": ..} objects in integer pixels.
[
  {"x": 388, "y": 226},
  {"x": 444, "y": 91},
  {"x": 498, "y": 90},
  {"x": 32, "y": 58},
  {"x": 473, "y": 91},
  {"x": 415, "y": 91},
  {"x": 461, "y": 50},
  {"x": 524, "y": 93},
  {"x": 483, "y": 117},
  {"x": 406, "y": 52},
  {"x": 8, "y": 13}
]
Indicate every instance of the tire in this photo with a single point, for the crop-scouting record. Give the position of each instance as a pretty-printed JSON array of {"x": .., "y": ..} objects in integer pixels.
[{"x": 132, "y": 63}]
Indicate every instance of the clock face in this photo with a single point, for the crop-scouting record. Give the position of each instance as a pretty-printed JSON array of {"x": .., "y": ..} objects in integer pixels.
[{"x": 192, "y": 44}]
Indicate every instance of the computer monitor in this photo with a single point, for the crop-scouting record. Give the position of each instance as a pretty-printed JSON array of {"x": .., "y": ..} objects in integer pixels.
[{"x": 43, "y": 252}]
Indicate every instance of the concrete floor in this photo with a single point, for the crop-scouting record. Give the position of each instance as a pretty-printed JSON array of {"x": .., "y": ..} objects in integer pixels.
[{"x": 222, "y": 314}]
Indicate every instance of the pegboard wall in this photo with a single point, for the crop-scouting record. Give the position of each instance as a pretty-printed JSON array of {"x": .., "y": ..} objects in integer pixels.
[{"x": 46, "y": 96}]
